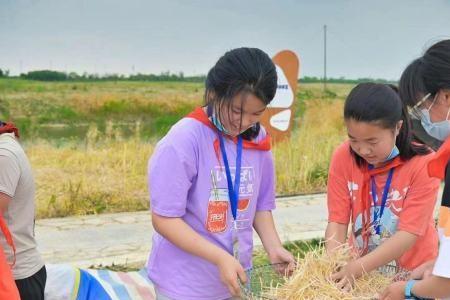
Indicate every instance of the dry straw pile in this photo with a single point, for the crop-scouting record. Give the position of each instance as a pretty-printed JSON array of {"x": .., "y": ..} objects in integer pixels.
[{"x": 311, "y": 280}]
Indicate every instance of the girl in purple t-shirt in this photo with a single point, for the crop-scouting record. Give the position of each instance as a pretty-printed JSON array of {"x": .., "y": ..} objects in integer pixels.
[{"x": 211, "y": 181}]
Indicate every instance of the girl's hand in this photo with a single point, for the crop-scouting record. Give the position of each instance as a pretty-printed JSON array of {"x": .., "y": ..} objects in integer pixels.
[
  {"x": 280, "y": 255},
  {"x": 394, "y": 291},
  {"x": 230, "y": 272},
  {"x": 423, "y": 271},
  {"x": 346, "y": 276}
]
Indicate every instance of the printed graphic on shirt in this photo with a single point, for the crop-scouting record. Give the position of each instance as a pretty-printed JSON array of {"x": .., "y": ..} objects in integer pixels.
[
  {"x": 388, "y": 226},
  {"x": 219, "y": 209},
  {"x": 216, "y": 219},
  {"x": 352, "y": 189},
  {"x": 388, "y": 222},
  {"x": 246, "y": 187}
]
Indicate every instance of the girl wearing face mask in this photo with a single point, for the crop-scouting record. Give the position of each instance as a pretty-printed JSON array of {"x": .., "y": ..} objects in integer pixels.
[
  {"x": 211, "y": 181},
  {"x": 378, "y": 183},
  {"x": 425, "y": 89}
]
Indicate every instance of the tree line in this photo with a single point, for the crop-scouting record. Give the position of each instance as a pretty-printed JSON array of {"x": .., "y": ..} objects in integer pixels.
[{"x": 51, "y": 75}]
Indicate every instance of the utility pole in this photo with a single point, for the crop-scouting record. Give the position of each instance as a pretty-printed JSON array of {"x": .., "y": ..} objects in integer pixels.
[{"x": 324, "y": 57}]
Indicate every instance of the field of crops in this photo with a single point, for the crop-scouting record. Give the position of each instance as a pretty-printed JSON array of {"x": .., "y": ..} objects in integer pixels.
[{"x": 89, "y": 142}]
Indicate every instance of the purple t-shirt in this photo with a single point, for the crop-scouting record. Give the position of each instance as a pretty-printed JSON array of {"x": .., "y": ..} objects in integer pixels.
[{"x": 180, "y": 183}]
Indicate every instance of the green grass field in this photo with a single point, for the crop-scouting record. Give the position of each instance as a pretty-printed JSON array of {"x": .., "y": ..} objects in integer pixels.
[{"x": 63, "y": 112}]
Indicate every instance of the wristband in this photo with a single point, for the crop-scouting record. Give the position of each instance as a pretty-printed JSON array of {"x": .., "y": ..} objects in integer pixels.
[{"x": 408, "y": 287}]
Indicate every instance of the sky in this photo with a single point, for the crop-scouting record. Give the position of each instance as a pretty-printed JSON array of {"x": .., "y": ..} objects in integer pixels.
[{"x": 375, "y": 39}]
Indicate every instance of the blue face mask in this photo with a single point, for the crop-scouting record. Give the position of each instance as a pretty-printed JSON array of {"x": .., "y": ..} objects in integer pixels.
[
  {"x": 217, "y": 123},
  {"x": 438, "y": 130},
  {"x": 394, "y": 153},
  {"x": 215, "y": 120}
]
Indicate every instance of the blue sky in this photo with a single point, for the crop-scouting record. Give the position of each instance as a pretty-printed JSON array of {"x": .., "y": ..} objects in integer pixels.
[{"x": 365, "y": 38}]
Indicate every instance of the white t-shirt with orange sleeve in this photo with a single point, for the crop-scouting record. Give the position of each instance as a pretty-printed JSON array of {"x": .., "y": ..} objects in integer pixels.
[{"x": 16, "y": 181}]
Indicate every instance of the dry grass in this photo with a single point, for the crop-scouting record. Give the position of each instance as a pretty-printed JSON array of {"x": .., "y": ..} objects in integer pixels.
[
  {"x": 302, "y": 162},
  {"x": 76, "y": 181},
  {"x": 311, "y": 279}
]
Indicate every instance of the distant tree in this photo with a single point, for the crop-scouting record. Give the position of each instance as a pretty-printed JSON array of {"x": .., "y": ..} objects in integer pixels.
[
  {"x": 313, "y": 79},
  {"x": 73, "y": 76},
  {"x": 45, "y": 75}
]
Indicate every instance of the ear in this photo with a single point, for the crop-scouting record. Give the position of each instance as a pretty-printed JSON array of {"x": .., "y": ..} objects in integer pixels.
[{"x": 444, "y": 96}]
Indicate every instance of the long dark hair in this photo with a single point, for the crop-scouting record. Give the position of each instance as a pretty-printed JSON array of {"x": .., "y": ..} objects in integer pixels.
[
  {"x": 380, "y": 104},
  {"x": 241, "y": 71},
  {"x": 427, "y": 74}
]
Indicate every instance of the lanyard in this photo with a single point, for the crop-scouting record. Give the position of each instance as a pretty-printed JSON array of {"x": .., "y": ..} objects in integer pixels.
[
  {"x": 376, "y": 216},
  {"x": 233, "y": 192}
]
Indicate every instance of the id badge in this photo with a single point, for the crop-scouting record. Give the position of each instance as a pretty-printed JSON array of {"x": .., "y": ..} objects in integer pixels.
[
  {"x": 376, "y": 239},
  {"x": 234, "y": 234}
]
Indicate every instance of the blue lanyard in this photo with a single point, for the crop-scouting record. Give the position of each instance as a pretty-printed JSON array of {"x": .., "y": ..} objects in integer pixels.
[
  {"x": 376, "y": 217},
  {"x": 233, "y": 193}
]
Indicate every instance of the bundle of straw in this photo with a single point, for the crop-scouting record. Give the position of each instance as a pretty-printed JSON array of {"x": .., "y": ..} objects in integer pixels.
[{"x": 311, "y": 279}]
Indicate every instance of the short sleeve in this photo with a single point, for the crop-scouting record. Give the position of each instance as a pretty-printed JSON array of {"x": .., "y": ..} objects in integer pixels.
[
  {"x": 9, "y": 173},
  {"x": 171, "y": 172},
  {"x": 266, "y": 194},
  {"x": 338, "y": 195},
  {"x": 420, "y": 201}
]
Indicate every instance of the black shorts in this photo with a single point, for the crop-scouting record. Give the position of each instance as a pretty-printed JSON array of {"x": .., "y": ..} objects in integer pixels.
[{"x": 32, "y": 288}]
